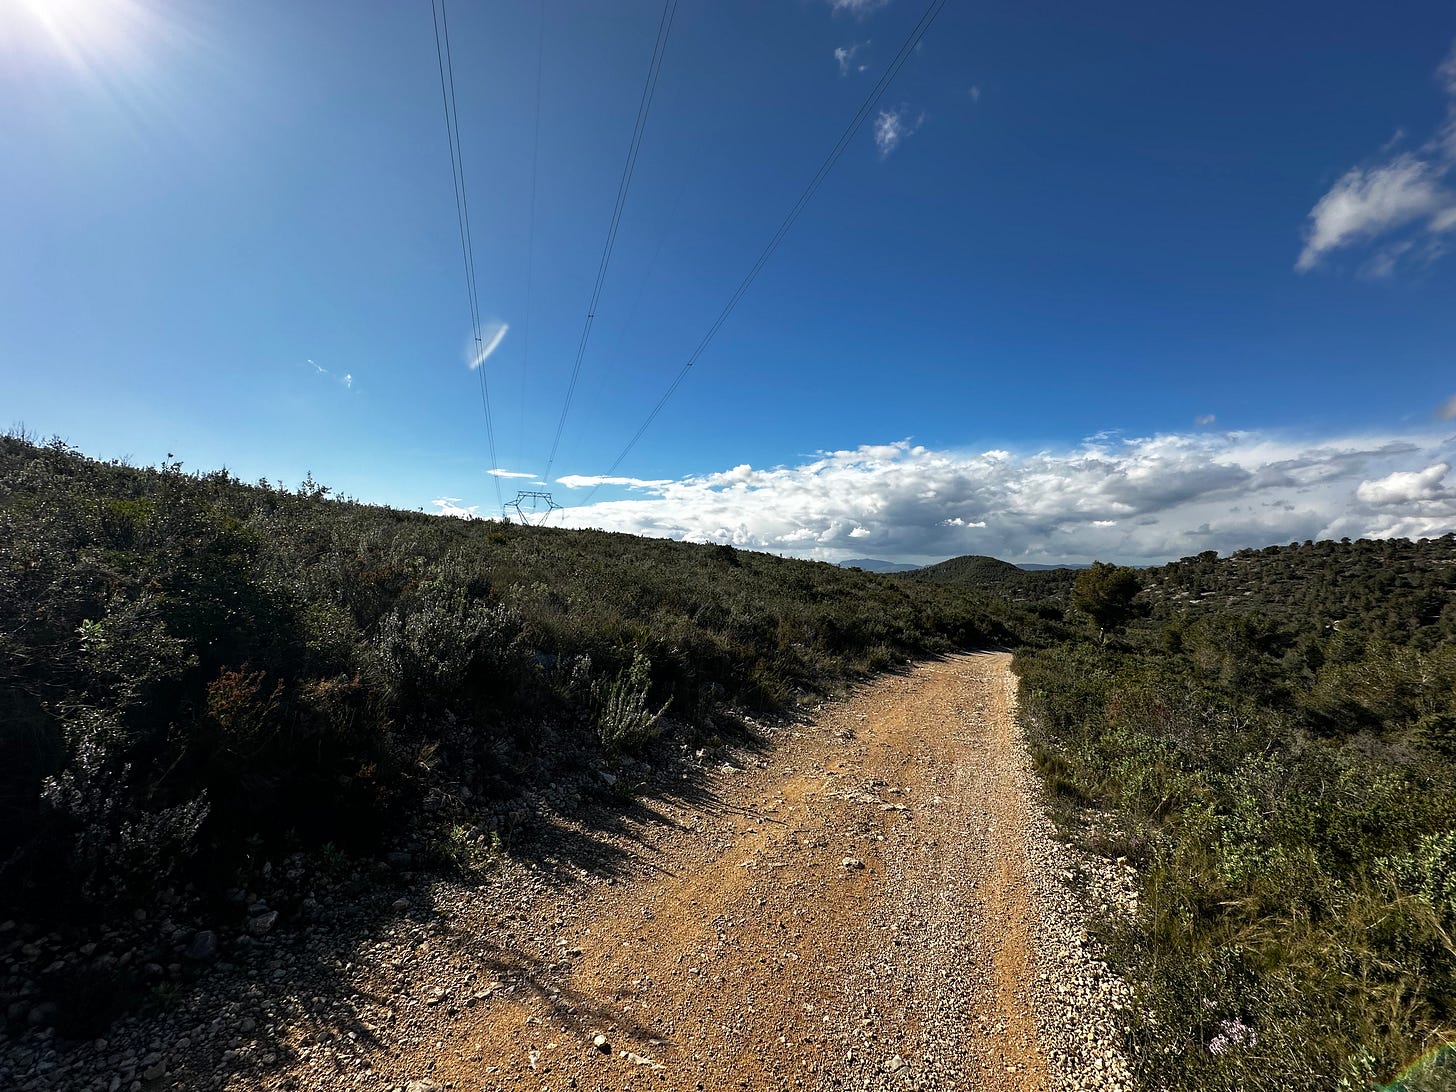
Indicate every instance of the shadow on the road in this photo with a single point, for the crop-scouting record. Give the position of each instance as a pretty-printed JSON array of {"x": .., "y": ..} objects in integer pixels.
[{"x": 271, "y": 998}]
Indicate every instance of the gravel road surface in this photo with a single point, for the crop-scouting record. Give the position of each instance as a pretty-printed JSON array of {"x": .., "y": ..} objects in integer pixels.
[{"x": 871, "y": 898}]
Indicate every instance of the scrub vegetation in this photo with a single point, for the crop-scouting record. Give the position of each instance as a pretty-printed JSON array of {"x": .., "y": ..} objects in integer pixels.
[
  {"x": 1270, "y": 741},
  {"x": 196, "y": 673}
]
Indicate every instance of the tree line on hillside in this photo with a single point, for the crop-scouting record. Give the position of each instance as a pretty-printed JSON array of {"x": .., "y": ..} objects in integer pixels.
[
  {"x": 1390, "y": 589},
  {"x": 1394, "y": 589}
]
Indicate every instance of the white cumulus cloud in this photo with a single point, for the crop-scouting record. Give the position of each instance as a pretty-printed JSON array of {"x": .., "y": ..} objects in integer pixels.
[
  {"x": 591, "y": 481},
  {"x": 1143, "y": 499},
  {"x": 844, "y": 57},
  {"x": 451, "y": 506},
  {"x": 1406, "y": 487},
  {"x": 858, "y": 8}
]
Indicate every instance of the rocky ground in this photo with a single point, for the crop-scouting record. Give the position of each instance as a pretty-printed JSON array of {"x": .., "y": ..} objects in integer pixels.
[{"x": 869, "y": 899}]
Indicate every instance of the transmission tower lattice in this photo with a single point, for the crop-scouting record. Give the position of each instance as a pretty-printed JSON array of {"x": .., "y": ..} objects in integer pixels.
[{"x": 532, "y": 509}]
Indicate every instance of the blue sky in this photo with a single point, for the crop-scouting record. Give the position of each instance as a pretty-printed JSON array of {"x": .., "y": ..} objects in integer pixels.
[{"x": 1125, "y": 282}]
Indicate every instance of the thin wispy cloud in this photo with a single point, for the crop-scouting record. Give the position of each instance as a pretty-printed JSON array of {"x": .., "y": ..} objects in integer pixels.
[
  {"x": 1447, "y": 410},
  {"x": 1370, "y": 202},
  {"x": 1405, "y": 204},
  {"x": 1142, "y": 499},
  {"x": 893, "y": 126},
  {"x": 1204, "y": 419},
  {"x": 1383, "y": 263},
  {"x": 343, "y": 379},
  {"x": 844, "y": 56},
  {"x": 492, "y": 334},
  {"x": 975, "y": 92},
  {"x": 498, "y": 472},
  {"x": 857, "y": 8}
]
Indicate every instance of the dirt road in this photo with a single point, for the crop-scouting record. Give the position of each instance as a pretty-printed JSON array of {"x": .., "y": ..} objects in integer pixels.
[
  {"x": 869, "y": 899},
  {"x": 852, "y": 914}
]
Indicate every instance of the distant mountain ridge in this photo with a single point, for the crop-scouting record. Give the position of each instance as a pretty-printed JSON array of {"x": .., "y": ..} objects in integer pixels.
[{"x": 873, "y": 565}]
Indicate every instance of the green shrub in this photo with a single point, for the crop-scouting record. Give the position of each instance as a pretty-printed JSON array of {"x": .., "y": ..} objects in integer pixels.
[{"x": 624, "y": 718}]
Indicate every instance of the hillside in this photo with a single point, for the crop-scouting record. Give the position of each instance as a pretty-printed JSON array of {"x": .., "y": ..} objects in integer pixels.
[
  {"x": 227, "y": 709},
  {"x": 1392, "y": 589},
  {"x": 999, "y": 578},
  {"x": 1270, "y": 745},
  {"x": 225, "y": 666}
]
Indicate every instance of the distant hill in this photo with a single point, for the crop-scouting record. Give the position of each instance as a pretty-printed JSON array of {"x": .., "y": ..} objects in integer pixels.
[
  {"x": 871, "y": 565},
  {"x": 1042, "y": 568},
  {"x": 970, "y": 567},
  {"x": 1001, "y": 578}
]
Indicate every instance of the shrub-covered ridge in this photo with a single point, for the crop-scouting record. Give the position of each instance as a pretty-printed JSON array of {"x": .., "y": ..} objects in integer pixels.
[{"x": 193, "y": 669}]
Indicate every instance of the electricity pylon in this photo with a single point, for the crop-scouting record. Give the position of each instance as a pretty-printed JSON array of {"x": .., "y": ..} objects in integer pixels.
[{"x": 532, "y": 509}]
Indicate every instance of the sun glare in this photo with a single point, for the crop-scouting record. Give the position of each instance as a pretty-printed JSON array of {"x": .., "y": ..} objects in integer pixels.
[
  {"x": 125, "y": 61},
  {"x": 99, "y": 38}
]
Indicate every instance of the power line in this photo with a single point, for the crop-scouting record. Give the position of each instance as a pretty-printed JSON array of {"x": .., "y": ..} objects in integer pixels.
[
  {"x": 659, "y": 50},
  {"x": 531, "y": 229},
  {"x": 445, "y": 61},
  {"x": 876, "y": 93}
]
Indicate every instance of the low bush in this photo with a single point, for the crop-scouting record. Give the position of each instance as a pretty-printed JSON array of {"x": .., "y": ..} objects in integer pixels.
[{"x": 624, "y": 717}]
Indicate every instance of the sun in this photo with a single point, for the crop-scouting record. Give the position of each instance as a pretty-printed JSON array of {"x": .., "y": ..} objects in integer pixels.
[{"x": 95, "y": 37}]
